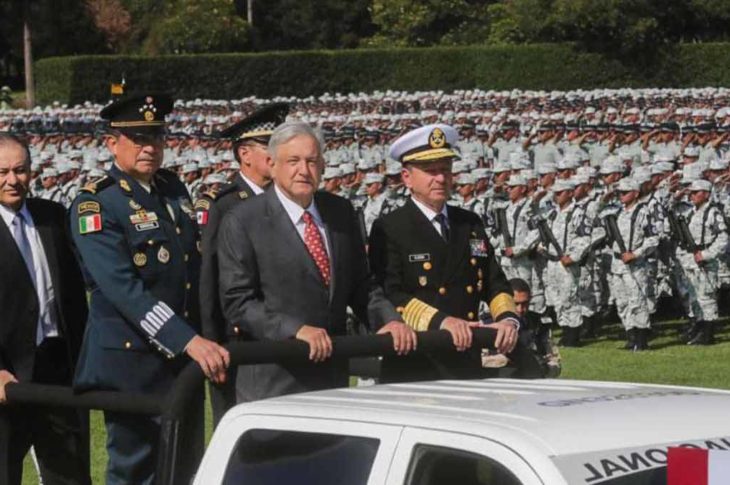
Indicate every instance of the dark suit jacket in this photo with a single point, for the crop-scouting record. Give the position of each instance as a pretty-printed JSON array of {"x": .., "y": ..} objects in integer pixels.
[
  {"x": 270, "y": 286},
  {"x": 211, "y": 315},
  {"x": 18, "y": 298}
]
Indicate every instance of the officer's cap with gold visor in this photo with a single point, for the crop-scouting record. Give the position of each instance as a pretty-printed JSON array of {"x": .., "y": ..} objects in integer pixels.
[
  {"x": 142, "y": 114},
  {"x": 425, "y": 144},
  {"x": 259, "y": 125}
]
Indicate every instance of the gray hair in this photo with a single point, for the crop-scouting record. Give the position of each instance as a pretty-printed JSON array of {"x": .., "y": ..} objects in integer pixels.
[
  {"x": 290, "y": 129},
  {"x": 7, "y": 139}
]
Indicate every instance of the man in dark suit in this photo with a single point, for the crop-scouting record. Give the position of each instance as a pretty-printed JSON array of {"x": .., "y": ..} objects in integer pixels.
[
  {"x": 434, "y": 261},
  {"x": 291, "y": 261},
  {"x": 41, "y": 328},
  {"x": 250, "y": 137},
  {"x": 136, "y": 233}
]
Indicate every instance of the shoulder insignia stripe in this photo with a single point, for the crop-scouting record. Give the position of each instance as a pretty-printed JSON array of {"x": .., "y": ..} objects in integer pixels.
[
  {"x": 202, "y": 204},
  {"x": 89, "y": 206}
]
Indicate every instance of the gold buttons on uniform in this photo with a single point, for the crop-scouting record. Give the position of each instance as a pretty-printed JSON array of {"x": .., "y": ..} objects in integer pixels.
[
  {"x": 151, "y": 242},
  {"x": 442, "y": 291},
  {"x": 470, "y": 315},
  {"x": 470, "y": 289},
  {"x": 127, "y": 344},
  {"x": 178, "y": 230},
  {"x": 427, "y": 266},
  {"x": 473, "y": 261},
  {"x": 188, "y": 286},
  {"x": 480, "y": 274},
  {"x": 236, "y": 329}
]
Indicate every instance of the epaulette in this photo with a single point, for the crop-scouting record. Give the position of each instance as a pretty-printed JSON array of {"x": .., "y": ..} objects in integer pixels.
[
  {"x": 226, "y": 189},
  {"x": 98, "y": 185}
]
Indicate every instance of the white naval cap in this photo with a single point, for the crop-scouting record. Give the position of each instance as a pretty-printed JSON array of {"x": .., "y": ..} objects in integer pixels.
[{"x": 430, "y": 142}]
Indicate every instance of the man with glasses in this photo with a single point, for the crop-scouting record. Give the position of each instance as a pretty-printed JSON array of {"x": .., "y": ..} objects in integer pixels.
[{"x": 138, "y": 240}]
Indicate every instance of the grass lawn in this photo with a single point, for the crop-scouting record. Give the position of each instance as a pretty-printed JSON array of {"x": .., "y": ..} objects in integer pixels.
[{"x": 670, "y": 362}]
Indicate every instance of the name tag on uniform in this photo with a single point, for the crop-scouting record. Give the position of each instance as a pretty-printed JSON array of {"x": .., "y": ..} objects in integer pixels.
[
  {"x": 419, "y": 258},
  {"x": 146, "y": 226},
  {"x": 142, "y": 217},
  {"x": 479, "y": 247}
]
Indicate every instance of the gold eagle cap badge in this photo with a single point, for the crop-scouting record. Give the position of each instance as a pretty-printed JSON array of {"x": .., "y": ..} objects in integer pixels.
[{"x": 437, "y": 138}]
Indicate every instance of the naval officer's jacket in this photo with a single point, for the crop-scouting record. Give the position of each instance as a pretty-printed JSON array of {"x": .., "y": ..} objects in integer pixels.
[
  {"x": 140, "y": 253},
  {"x": 428, "y": 278}
]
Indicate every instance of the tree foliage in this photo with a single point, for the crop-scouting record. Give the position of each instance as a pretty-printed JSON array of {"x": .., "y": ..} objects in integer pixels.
[
  {"x": 314, "y": 24},
  {"x": 111, "y": 19},
  {"x": 197, "y": 26},
  {"x": 619, "y": 28}
]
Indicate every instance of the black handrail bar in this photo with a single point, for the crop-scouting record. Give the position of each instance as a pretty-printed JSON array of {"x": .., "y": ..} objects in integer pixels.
[{"x": 171, "y": 406}]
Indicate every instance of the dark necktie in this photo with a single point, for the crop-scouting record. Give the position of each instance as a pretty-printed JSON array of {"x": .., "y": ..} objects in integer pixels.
[
  {"x": 21, "y": 239},
  {"x": 443, "y": 224},
  {"x": 315, "y": 246}
]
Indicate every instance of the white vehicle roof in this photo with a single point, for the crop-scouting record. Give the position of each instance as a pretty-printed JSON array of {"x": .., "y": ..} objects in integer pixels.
[{"x": 554, "y": 417}]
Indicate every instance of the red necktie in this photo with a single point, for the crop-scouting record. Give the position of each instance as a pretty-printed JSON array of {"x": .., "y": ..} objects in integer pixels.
[{"x": 315, "y": 246}]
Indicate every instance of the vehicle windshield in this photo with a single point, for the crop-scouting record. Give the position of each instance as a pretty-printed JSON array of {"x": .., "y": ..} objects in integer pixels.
[
  {"x": 271, "y": 457},
  {"x": 646, "y": 465}
]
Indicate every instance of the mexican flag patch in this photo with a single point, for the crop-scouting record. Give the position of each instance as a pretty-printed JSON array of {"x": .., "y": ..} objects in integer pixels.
[{"x": 89, "y": 224}]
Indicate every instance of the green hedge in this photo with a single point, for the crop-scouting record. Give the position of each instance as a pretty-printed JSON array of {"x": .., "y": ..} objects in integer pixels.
[{"x": 226, "y": 76}]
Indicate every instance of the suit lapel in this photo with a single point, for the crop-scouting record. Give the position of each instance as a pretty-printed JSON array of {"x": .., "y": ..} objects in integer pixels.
[
  {"x": 458, "y": 244},
  {"x": 14, "y": 257},
  {"x": 425, "y": 227},
  {"x": 48, "y": 240},
  {"x": 333, "y": 238},
  {"x": 45, "y": 232},
  {"x": 284, "y": 227}
]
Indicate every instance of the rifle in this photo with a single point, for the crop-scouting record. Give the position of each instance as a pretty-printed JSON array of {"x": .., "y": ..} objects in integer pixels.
[
  {"x": 504, "y": 227},
  {"x": 547, "y": 236},
  {"x": 686, "y": 240},
  {"x": 614, "y": 233}
]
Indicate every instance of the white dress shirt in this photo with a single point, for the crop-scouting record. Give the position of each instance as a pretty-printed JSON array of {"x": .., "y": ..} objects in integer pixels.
[
  {"x": 256, "y": 189},
  {"x": 295, "y": 212},
  {"x": 431, "y": 214},
  {"x": 47, "y": 318}
]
